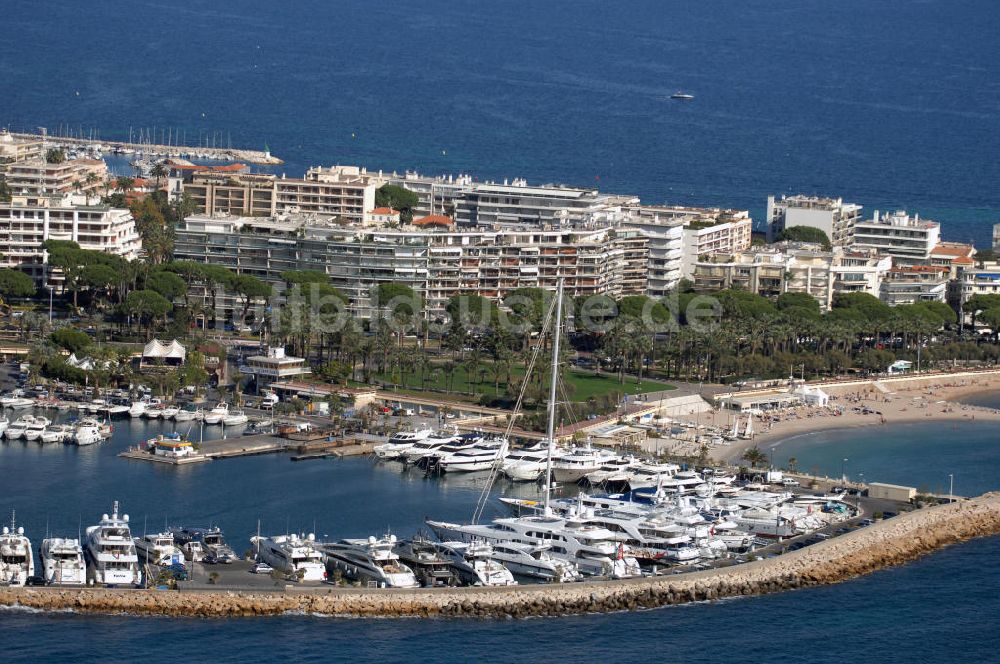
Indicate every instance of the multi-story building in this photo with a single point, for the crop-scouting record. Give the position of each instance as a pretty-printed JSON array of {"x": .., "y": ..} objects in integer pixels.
[
  {"x": 982, "y": 280},
  {"x": 714, "y": 232},
  {"x": 489, "y": 204},
  {"x": 435, "y": 194},
  {"x": 954, "y": 256},
  {"x": 38, "y": 177},
  {"x": 908, "y": 239},
  {"x": 27, "y": 221},
  {"x": 788, "y": 267},
  {"x": 438, "y": 263},
  {"x": 14, "y": 149},
  {"x": 831, "y": 215},
  {"x": 339, "y": 191},
  {"x": 912, "y": 284},
  {"x": 996, "y": 237}
]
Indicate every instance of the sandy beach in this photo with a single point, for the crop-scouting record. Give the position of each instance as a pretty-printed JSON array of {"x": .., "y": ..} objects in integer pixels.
[{"x": 874, "y": 403}]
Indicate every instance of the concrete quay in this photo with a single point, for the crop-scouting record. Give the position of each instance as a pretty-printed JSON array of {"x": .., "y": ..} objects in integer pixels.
[
  {"x": 221, "y": 154},
  {"x": 886, "y": 543}
]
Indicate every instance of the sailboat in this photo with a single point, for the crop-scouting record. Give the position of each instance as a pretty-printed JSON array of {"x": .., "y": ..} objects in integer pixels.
[{"x": 748, "y": 431}]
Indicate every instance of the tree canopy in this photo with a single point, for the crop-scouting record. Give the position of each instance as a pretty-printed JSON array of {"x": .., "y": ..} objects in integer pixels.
[
  {"x": 806, "y": 234},
  {"x": 398, "y": 198},
  {"x": 14, "y": 283}
]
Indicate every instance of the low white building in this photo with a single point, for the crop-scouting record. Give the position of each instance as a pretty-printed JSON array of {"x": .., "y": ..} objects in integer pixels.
[
  {"x": 274, "y": 366},
  {"x": 812, "y": 396}
]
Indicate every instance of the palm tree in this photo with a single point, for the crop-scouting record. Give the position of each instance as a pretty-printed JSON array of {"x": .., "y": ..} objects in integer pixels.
[
  {"x": 159, "y": 171},
  {"x": 91, "y": 181}
]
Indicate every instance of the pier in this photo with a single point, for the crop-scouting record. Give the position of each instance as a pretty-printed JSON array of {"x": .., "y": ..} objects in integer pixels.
[
  {"x": 222, "y": 448},
  {"x": 260, "y": 157}
]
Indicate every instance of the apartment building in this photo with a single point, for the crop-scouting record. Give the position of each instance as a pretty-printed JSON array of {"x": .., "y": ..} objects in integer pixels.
[
  {"x": 14, "y": 149},
  {"x": 982, "y": 280},
  {"x": 831, "y": 215},
  {"x": 788, "y": 267},
  {"x": 955, "y": 256},
  {"x": 27, "y": 221},
  {"x": 912, "y": 284},
  {"x": 438, "y": 263},
  {"x": 909, "y": 239},
  {"x": 338, "y": 191},
  {"x": 714, "y": 232},
  {"x": 489, "y": 204},
  {"x": 38, "y": 177},
  {"x": 435, "y": 194}
]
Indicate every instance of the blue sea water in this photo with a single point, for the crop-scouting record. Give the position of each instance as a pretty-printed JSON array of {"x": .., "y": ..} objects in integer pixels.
[
  {"x": 919, "y": 454},
  {"x": 890, "y": 104}
]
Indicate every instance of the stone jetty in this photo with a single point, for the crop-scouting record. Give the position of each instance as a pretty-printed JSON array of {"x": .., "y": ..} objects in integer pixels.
[{"x": 881, "y": 545}]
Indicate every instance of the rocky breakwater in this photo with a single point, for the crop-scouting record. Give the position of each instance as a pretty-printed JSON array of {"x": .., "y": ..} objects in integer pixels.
[{"x": 886, "y": 543}]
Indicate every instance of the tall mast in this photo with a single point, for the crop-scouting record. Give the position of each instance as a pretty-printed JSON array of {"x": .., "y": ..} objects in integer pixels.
[{"x": 550, "y": 430}]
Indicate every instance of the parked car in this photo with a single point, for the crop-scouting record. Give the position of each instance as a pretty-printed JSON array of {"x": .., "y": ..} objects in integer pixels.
[
  {"x": 261, "y": 568},
  {"x": 788, "y": 481}
]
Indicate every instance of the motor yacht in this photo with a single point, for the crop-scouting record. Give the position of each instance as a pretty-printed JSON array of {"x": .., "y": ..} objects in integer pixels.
[
  {"x": 35, "y": 429},
  {"x": 529, "y": 464},
  {"x": 86, "y": 432},
  {"x": 17, "y": 428},
  {"x": 62, "y": 562},
  {"x": 57, "y": 433},
  {"x": 138, "y": 408},
  {"x": 296, "y": 557},
  {"x": 575, "y": 464},
  {"x": 154, "y": 410},
  {"x": 428, "y": 446},
  {"x": 429, "y": 566},
  {"x": 483, "y": 456},
  {"x": 399, "y": 443},
  {"x": 17, "y": 563},
  {"x": 473, "y": 564},
  {"x": 189, "y": 413},
  {"x": 158, "y": 549},
  {"x": 110, "y": 551},
  {"x": 235, "y": 418},
  {"x": 217, "y": 414},
  {"x": 16, "y": 400},
  {"x": 170, "y": 412},
  {"x": 211, "y": 541},
  {"x": 373, "y": 562},
  {"x": 4, "y": 423},
  {"x": 535, "y": 560}
]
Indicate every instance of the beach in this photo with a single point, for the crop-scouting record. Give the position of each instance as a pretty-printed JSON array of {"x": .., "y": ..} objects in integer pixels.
[{"x": 874, "y": 403}]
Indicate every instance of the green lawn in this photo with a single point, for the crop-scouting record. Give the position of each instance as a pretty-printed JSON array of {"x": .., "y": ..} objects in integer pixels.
[{"x": 581, "y": 385}]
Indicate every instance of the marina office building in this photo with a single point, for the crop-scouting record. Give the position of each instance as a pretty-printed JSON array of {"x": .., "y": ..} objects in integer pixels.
[
  {"x": 437, "y": 263},
  {"x": 27, "y": 221}
]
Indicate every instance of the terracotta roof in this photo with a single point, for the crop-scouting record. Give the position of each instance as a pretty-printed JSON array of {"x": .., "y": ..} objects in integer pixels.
[
  {"x": 384, "y": 211},
  {"x": 953, "y": 249},
  {"x": 433, "y": 220}
]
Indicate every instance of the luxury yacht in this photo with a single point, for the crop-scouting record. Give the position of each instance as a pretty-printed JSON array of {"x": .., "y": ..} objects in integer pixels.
[
  {"x": 235, "y": 418},
  {"x": 535, "y": 560},
  {"x": 210, "y": 541},
  {"x": 294, "y": 556},
  {"x": 473, "y": 564},
  {"x": 482, "y": 456},
  {"x": 431, "y": 568},
  {"x": 158, "y": 549},
  {"x": 428, "y": 446},
  {"x": 16, "y": 561},
  {"x": 682, "y": 96},
  {"x": 62, "y": 562},
  {"x": 529, "y": 464},
  {"x": 110, "y": 551},
  {"x": 574, "y": 465},
  {"x": 371, "y": 561},
  {"x": 216, "y": 415},
  {"x": 400, "y": 442}
]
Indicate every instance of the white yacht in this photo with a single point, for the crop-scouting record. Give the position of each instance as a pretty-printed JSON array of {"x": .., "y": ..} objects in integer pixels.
[
  {"x": 217, "y": 414},
  {"x": 575, "y": 464},
  {"x": 17, "y": 563},
  {"x": 595, "y": 550},
  {"x": 650, "y": 474},
  {"x": 86, "y": 433},
  {"x": 535, "y": 560},
  {"x": 138, "y": 408},
  {"x": 110, "y": 551},
  {"x": 615, "y": 471},
  {"x": 371, "y": 562},
  {"x": 189, "y": 413},
  {"x": 170, "y": 412},
  {"x": 16, "y": 400},
  {"x": 400, "y": 442},
  {"x": 34, "y": 430},
  {"x": 57, "y": 433},
  {"x": 17, "y": 428},
  {"x": 62, "y": 562},
  {"x": 4, "y": 423},
  {"x": 210, "y": 542},
  {"x": 528, "y": 465},
  {"x": 154, "y": 409},
  {"x": 158, "y": 549},
  {"x": 235, "y": 418},
  {"x": 428, "y": 446},
  {"x": 296, "y": 557},
  {"x": 473, "y": 564},
  {"x": 483, "y": 456}
]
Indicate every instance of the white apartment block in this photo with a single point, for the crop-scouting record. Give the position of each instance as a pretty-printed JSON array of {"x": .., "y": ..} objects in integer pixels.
[
  {"x": 859, "y": 271},
  {"x": 14, "y": 149},
  {"x": 27, "y": 221},
  {"x": 996, "y": 237},
  {"x": 908, "y": 239},
  {"x": 913, "y": 284},
  {"x": 983, "y": 280},
  {"x": 831, "y": 215}
]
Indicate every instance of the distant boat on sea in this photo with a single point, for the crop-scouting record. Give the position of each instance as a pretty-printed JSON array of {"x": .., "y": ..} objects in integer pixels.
[{"x": 683, "y": 96}]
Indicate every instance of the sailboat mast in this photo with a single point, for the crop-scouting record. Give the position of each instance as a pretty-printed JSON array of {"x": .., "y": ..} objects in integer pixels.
[{"x": 550, "y": 430}]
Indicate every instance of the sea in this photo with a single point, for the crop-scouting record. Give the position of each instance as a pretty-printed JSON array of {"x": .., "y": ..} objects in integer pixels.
[{"x": 888, "y": 104}]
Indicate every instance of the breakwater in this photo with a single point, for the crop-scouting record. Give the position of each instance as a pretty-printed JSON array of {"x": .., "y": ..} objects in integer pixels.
[{"x": 884, "y": 544}]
